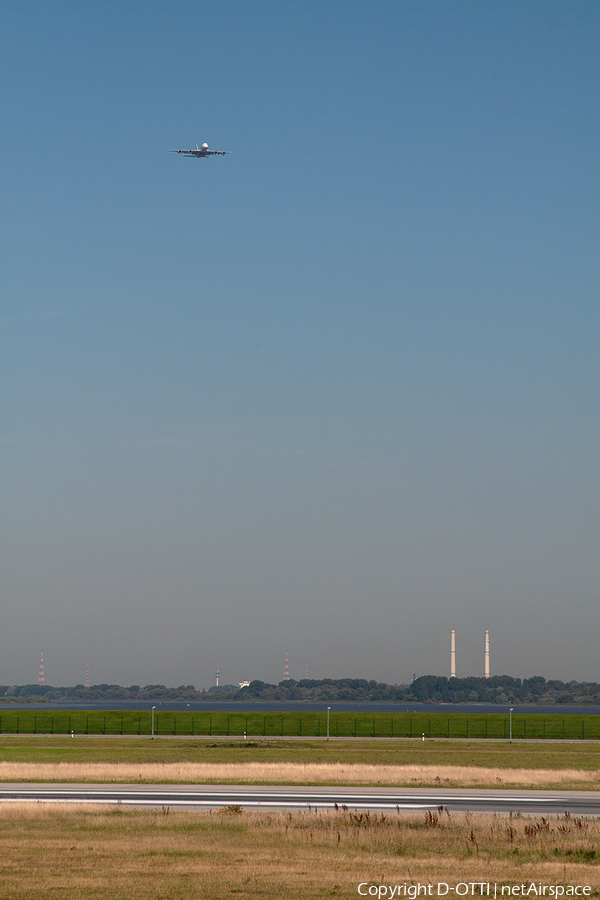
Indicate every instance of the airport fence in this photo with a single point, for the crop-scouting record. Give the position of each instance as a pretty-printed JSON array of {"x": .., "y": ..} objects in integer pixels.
[{"x": 496, "y": 726}]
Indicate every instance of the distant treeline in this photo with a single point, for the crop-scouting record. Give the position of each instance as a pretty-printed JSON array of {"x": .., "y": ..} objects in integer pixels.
[
  {"x": 81, "y": 694},
  {"x": 426, "y": 689},
  {"x": 500, "y": 689}
]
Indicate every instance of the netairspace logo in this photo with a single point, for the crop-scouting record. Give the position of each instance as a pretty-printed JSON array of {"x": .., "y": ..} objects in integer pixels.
[{"x": 472, "y": 889}]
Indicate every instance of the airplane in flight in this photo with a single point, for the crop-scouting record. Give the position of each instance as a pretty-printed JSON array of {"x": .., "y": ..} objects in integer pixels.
[{"x": 201, "y": 152}]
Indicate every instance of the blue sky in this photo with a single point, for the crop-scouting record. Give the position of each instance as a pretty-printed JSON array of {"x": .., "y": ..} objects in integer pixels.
[{"x": 336, "y": 393}]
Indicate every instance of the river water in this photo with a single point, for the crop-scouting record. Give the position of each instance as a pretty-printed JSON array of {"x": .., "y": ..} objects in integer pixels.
[{"x": 241, "y": 708}]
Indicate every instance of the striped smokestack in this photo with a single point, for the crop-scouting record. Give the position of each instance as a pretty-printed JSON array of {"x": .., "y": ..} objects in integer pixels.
[{"x": 453, "y": 654}]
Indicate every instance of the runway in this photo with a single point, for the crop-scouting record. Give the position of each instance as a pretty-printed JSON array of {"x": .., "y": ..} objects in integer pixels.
[{"x": 256, "y": 797}]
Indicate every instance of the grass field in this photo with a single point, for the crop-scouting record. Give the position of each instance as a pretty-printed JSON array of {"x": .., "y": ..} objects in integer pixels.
[
  {"x": 456, "y": 753},
  {"x": 120, "y": 854},
  {"x": 51, "y": 850},
  {"x": 453, "y": 763},
  {"x": 305, "y": 724},
  {"x": 299, "y": 773}
]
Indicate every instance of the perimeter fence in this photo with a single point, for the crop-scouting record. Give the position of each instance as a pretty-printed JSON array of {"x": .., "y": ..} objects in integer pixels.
[{"x": 496, "y": 726}]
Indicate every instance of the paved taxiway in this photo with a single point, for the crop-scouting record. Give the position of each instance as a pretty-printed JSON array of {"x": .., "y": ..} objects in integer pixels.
[{"x": 178, "y": 796}]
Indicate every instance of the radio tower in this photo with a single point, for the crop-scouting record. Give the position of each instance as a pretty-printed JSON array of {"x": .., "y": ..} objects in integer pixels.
[
  {"x": 87, "y": 675},
  {"x": 286, "y": 668},
  {"x": 41, "y": 676}
]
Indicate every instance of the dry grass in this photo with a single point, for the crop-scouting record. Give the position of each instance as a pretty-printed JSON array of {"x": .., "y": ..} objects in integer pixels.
[
  {"x": 298, "y": 773},
  {"x": 117, "y": 854}
]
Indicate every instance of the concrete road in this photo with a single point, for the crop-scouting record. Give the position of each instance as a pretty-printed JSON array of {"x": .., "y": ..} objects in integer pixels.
[{"x": 177, "y": 796}]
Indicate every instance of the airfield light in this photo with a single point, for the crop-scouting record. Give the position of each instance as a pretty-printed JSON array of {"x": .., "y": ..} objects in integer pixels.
[
  {"x": 510, "y": 726},
  {"x": 328, "y": 708},
  {"x": 153, "y": 708}
]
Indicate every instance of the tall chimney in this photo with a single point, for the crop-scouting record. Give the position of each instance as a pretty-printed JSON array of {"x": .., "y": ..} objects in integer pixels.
[
  {"x": 453, "y": 654},
  {"x": 487, "y": 655}
]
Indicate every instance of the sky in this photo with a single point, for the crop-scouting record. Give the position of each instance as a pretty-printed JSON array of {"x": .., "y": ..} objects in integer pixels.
[{"x": 335, "y": 393}]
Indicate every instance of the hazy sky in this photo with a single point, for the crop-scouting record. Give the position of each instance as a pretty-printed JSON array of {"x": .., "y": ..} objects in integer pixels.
[{"x": 336, "y": 393}]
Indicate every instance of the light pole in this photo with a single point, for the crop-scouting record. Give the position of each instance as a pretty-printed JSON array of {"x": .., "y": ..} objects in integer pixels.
[
  {"x": 328, "y": 708},
  {"x": 510, "y": 726},
  {"x": 153, "y": 708}
]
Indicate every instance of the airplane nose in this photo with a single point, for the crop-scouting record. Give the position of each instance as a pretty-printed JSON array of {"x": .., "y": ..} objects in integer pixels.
[{"x": 205, "y": 146}]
